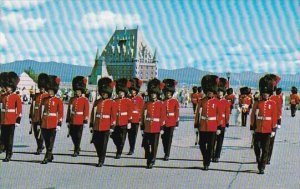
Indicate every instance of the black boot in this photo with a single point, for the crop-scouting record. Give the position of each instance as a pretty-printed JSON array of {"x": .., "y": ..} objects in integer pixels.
[
  {"x": 45, "y": 161},
  {"x": 99, "y": 164},
  {"x": 166, "y": 158},
  {"x": 7, "y": 158},
  {"x": 118, "y": 156}
]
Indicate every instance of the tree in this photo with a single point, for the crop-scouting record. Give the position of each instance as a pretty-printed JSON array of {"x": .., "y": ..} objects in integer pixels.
[{"x": 31, "y": 73}]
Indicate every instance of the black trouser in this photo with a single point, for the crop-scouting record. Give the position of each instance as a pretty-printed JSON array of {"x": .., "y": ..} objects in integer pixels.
[
  {"x": 194, "y": 107},
  {"x": 76, "y": 135},
  {"x": 132, "y": 133},
  {"x": 279, "y": 121},
  {"x": 272, "y": 140},
  {"x": 100, "y": 140},
  {"x": 218, "y": 144},
  {"x": 49, "y": 137},
  {"x": 167, "y": 139},
  {"x": 150, "y": 145},
  {"x": 261, "y": 149},
  {"x": 244, "y": 118},
  {"x": 293, "y": 110},
  {"x": 7, "y": 137},
  {"x": 119, "y": 137},
  {"x": 39, "y": 141},
  {"x": 206, "y": 142},
  {"x": 1, "y": 144}
]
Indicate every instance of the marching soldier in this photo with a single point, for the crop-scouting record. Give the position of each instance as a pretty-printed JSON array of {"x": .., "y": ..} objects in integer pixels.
[
  {"x": 172, "y": 115},
  {"x": 153, "y": 121},
  {"x": 230, "y": 97},
  {"x": 294, "y": 100},
  {"x": 103, "y": 118},
  {"x": 124, "y": 111},
  {"x": 264, "y": 126},
  {"x": 52, "y": 116},
  {"x": 245, "y": 104},
  {"x": 207, "y": 118},
  {"x": 278, "y": 100},
  {"x": 199, "y": 97},
  {"x": 137, "y": 108},
  {"x": 35, "y": 112},
  {"x": 224, "y": 112},
  {"x": 78, "y": 112},
  {"x": 3, "y": 76},
  {"x": 11, "y": 113},
  {"x": 195, "y": 98}
]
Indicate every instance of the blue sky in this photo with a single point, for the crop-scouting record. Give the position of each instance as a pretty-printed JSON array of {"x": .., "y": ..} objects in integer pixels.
[{"x": 211, "y": 35}]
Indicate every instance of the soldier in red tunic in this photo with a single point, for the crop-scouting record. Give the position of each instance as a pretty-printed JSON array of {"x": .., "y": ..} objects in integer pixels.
[
  {"x": 103, "y": 118},
  {"x": 224, "y": 111},
  {"x": 35, "y": 112},
  {"x": 153, "y": 120},
  {"x": 78, "y": 112},
  {"x": 172, "y": 115},
  {"x": 52, "y": 116},
  {"x": 124, "y": 115},
  {"x": 207, "y": 118},
  {"x": 245, "y": 103},
  {"x": 11, "y": 113},
  {"x": 230, "y": 97},
  {"x": 294, "y": 100},
  {"x": 263, "y": 122},
  {"x": 137, "y": 108},
  {"x": 3, "y": 76},
  {"x": 195, "y": 98}
]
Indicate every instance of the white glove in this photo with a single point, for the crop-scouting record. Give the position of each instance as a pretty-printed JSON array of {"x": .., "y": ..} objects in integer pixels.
[
  {"x": 129, "y": 126},
  {"x": 175, "y": 128},
  {"x": 17, "y": 124},
  {"x": 38, "y": 127},
  {"x": 196, "y": 130},
  {"x": 85, "y": 125},
  {"x": 58, "y": 128},
  {"x": 218, "y": 132},
  {"x": 91, "y": 129},
  {"x": 30, "y": 121},
  {"x": 142, "y": 132},
  {"x": 252, "y": 131},
  {"x": 162, "y": 132},
  {"x": 272, "y": 134},
  {"x": 278, "y": 126},
  {"x": 111, "y": 130}
]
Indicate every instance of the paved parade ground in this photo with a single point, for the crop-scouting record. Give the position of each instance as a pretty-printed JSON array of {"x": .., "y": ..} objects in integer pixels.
[{"x": 236, "y": 169}]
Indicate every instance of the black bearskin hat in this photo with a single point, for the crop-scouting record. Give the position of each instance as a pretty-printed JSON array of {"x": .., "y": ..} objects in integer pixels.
[
  {"x": 223, "y": 85},
  {"x": 106, "y": 85},
  {"x": 154, "y": 86},
  {"x": 294, "y": 90},
  {"x": 79, "y": 83},
  {"x": 199, "y": 89},
  {"x": 194, "y": 89},
  {"x": 3, "y": 79},
  {"x": 275, "y": 79},
  {"x": 278, "y": 91},
  {"x": 266, "y": 85},
  {"x": 12, "y": 80},
  {"x": 136, "y": 84},
  {"x": 43, "y": 80},
  {"x": 122, "y": 85},
  {"x": 229, "y": 91},
  {"x": 53, "y": 83},
  {"x": 169, "y": 85},
  {"x": 210, "y": 83},
  {"x": 244, "y": 90}
]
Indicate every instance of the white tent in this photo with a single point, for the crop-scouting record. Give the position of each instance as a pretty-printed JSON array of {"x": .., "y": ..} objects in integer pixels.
[{"x": 26, "y": 84}]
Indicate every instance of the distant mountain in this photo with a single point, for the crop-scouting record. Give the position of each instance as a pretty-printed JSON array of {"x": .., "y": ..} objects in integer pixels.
[{"x": 184, "y": 76}]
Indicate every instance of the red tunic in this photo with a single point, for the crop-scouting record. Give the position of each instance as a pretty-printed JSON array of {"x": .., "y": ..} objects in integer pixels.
[
  {"x": 265, "y": 113},
  {"x": 36, "y": 108},
  {"x": 230, "y": 99},
  {"x": 124, "y": 111},
  {"x": 279, "y": 102},
  {"x": 245, "y": 103},
  {"x": 294, "y": 99},
  {"x": 195, "y": 98},
  {"x": 11, "y": 109},
  {"x": 224, "y": 111},
  {"x": 104, "y": 114},
  {"x": 78, "y": 110},
  {"x": 53, "y": 112},
  {"x": 154, "y": 116},
  {"x": 172, "y": 112},
  {"x": 210, "y": 118},
  {"x": 137, "y": 108}
]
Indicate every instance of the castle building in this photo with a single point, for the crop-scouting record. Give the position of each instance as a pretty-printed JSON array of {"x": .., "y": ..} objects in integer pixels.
[{"x": 126, "y": 55}]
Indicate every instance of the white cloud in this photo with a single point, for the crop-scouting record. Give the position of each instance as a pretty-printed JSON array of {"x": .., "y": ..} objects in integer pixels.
[
  {"x": 19, "y": 22},
  {"x": 18, "y": 4},
  {"x": 108, "y": 19},
  {"x": 3, "y": 40}
]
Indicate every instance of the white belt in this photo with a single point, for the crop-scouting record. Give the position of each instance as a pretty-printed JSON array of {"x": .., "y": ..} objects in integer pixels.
[
  {"x": 50, "y": 114},
  {"x": 77, "y": 113},
  {"x": 36, "y": 107},
  {"x": 8, "y": 110},
  {"x": 208, "y": 118},
  {"x": 122, "y": 113},
  {"x": 263, "y": 118},
  {"x": 171, "y": 114},
  {"x": 135, "y": 112},
  {"x": 152, "y": 119},
  {"x": 102, "y": 116}
]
